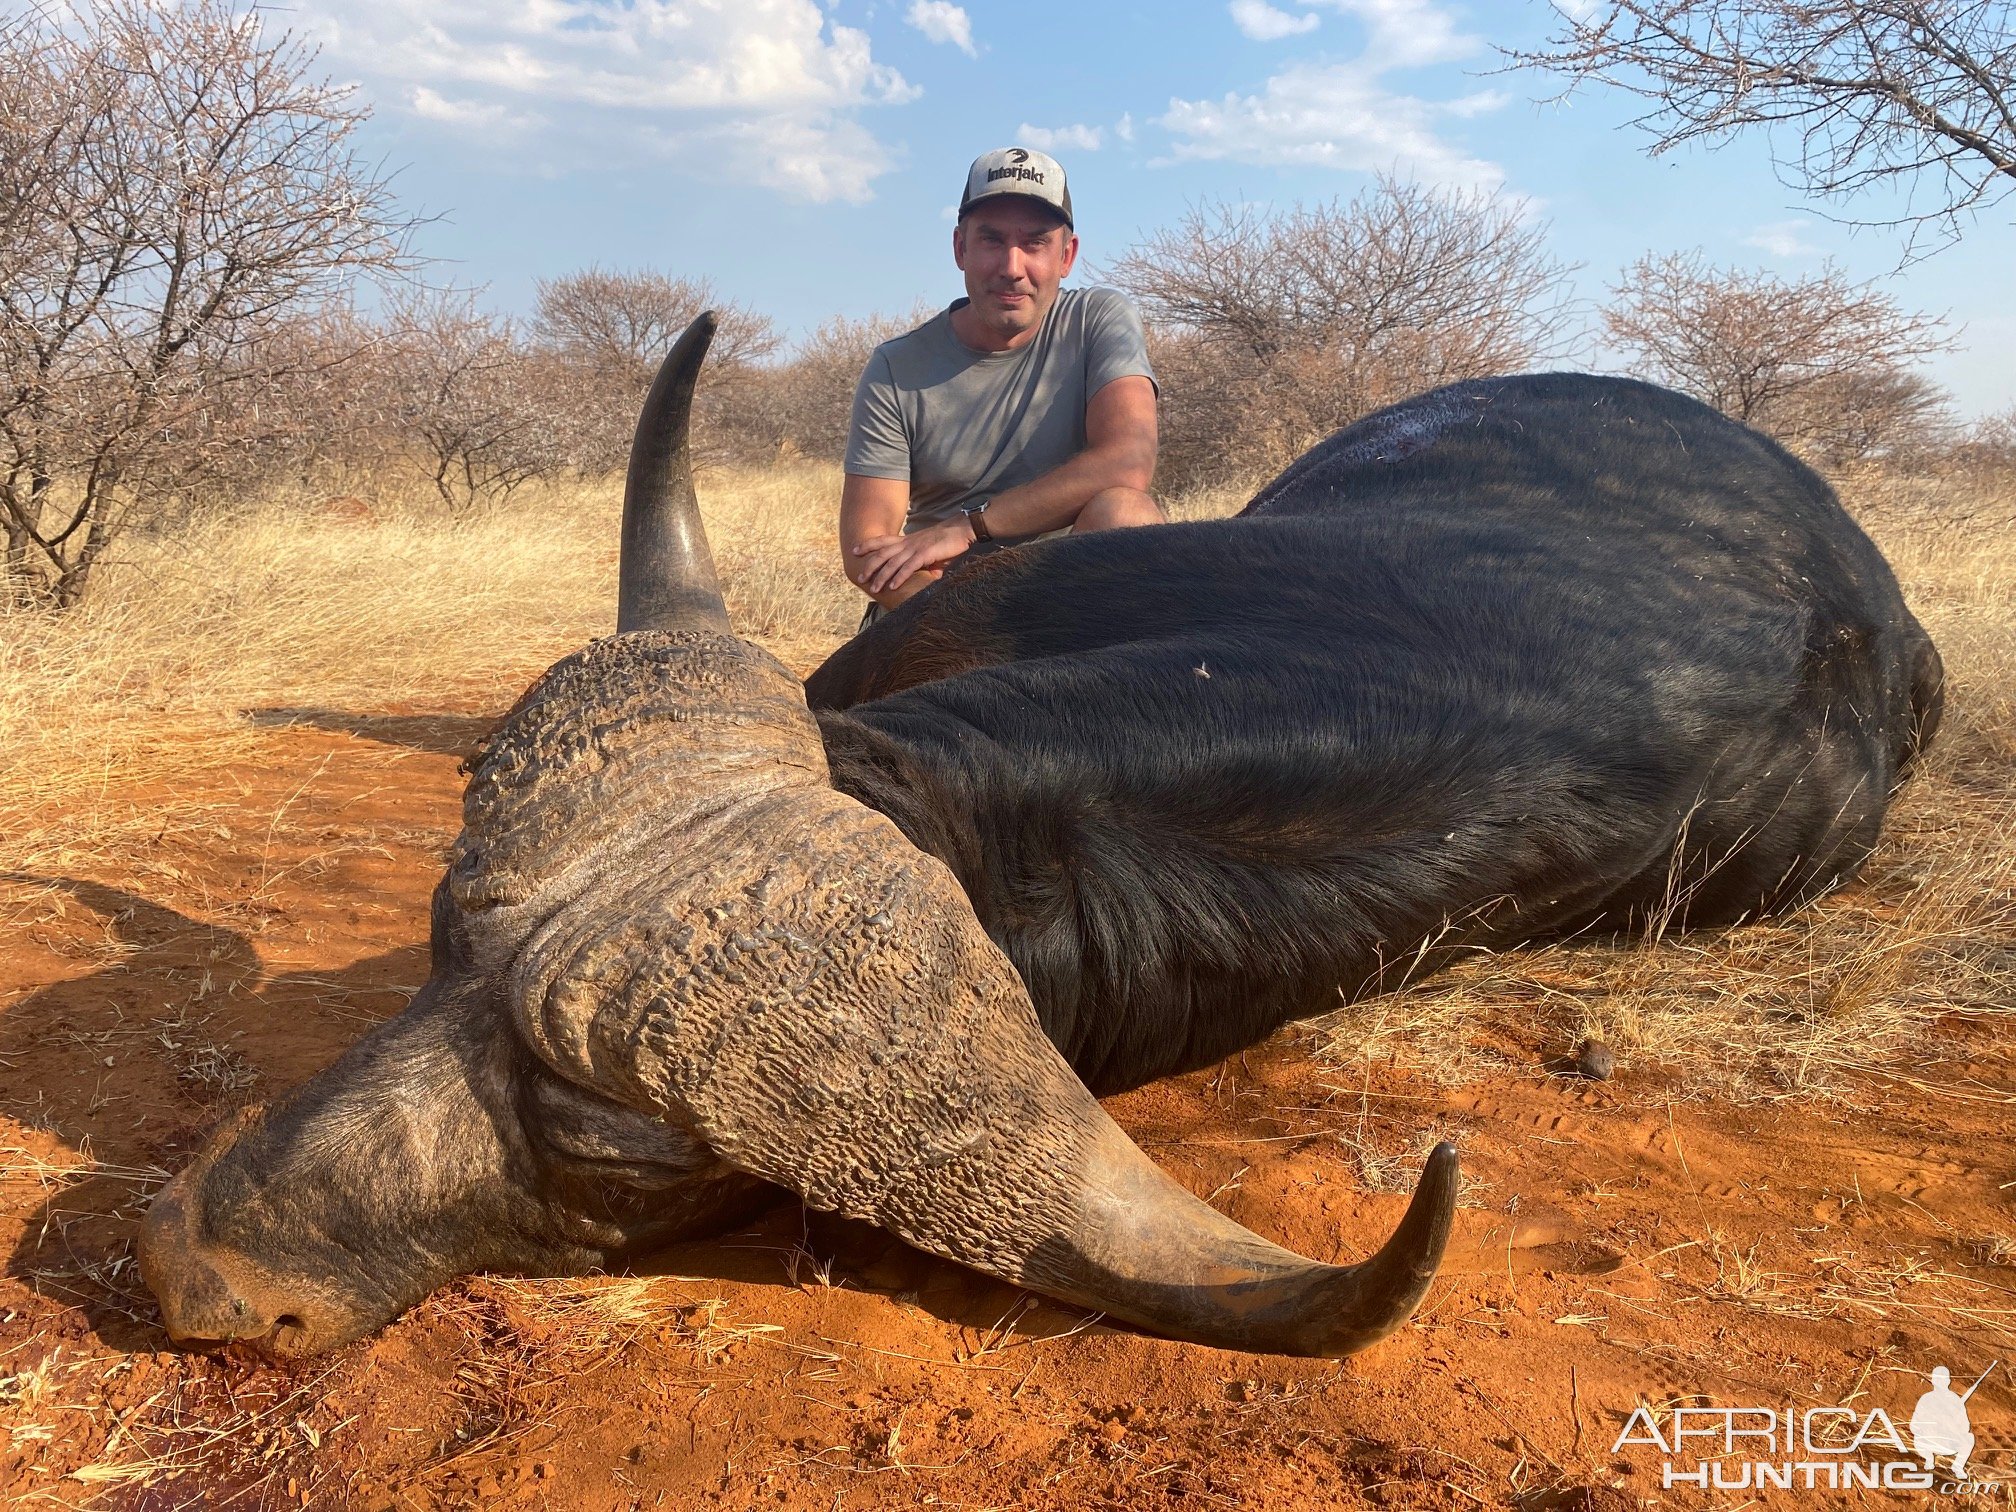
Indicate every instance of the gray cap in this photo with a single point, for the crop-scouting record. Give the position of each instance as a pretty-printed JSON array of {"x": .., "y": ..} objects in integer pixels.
[{"x": 1018, "y": 170}]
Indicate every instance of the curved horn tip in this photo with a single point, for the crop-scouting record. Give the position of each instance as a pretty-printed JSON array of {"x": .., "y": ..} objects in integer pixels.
[
  {"x": 1440, "y": 1172},
  {"x": 699, "y": 332},
  {"x": 1435, "y": 1195},
  {"x": 1385, "y": 1290},
  {"x": 1424, "y": 1229}
]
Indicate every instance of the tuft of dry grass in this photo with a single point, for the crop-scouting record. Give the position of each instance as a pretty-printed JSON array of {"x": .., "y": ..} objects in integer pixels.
[
  {"x": 1217, "y": 502},
  {"x": 225, "y": 1443},
  {"x": 595, "y": 1315},
  {"x": 192, "y": 636}
]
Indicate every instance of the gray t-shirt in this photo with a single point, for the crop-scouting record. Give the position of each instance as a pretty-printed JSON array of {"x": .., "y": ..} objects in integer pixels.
[{"x": 959, "y": 425}]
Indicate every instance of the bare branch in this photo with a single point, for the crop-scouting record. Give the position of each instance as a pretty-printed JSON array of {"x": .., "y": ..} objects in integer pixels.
[
  {"x": 1270, "y": 330},
  {"x": 176, "y": 185},
  {"x": 486, "y": 414},
  {"x": 610, "y": 329},
  {"x": 1853, "y": 94}
]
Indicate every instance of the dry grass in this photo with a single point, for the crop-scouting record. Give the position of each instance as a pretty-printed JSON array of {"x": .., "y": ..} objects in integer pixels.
[
  {"x": 596, "y": 1315},
  {"x": 191, "y": 634},
  {"x": 1208, "y": 503},
  {"x": 224, "y": 1443},
  {"x": 1821, "y": 1002},
  {"x": 529, "y": 1345}
]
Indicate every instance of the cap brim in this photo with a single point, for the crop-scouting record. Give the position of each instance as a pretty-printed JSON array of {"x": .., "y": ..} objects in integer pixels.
[{"x": 1022, "y": 194}]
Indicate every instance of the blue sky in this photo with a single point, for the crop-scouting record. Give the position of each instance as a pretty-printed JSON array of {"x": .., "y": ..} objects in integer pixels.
[{"x": 804, "y": 157}]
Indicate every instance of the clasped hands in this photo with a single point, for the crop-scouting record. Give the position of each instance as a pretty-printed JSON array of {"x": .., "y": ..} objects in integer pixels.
[{"x": 892, "y": 560}]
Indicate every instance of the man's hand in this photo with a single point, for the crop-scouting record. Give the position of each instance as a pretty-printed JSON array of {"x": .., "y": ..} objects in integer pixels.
[{"x": 888, "y": 561}]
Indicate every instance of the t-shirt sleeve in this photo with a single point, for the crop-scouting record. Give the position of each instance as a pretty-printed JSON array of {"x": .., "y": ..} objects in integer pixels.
[
  {"x": 878, "y": 444},
  {"x": 1116, "y": 344}
]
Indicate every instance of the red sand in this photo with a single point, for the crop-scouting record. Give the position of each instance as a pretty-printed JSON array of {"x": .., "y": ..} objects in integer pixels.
[{"x": 1619, "y": 1247}]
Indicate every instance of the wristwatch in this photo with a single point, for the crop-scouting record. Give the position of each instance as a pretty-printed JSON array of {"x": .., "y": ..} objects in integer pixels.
[{"x": 976, "y": 516}]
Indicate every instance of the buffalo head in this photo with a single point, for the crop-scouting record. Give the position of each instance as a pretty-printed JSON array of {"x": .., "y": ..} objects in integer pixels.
[{"x": 675, "y": 970}]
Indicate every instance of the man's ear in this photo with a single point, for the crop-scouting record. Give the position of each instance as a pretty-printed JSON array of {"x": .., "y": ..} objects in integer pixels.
[
  {"x": 959, "y": 246},
  {"x": 1070, "y": 255}
]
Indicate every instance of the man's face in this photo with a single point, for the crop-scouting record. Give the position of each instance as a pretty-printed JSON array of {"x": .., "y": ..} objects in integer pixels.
[{"x": 1014, "y": 253}]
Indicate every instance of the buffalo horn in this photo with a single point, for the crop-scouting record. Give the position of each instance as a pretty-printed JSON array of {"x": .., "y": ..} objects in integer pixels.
[
  {"x": 1071, "y": 1207},
  {"x": 667, "y": 577},
  {"x": 1047, "y": 1191},
  {"x": 858, "y": 1038},
  {"x": 1154, "y": 1255},
  {"x": 727, "y": 942}
]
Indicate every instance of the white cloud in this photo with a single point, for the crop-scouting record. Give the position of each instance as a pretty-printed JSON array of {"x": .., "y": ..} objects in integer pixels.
[
  {"x": 942, "y": 21},
  {"x": 1051, "y": 138},
  {"x": 1328, "y": 116},
  {"x": 471, "y": 114},
  {"x": 765, "y": 90},
  {"x": 820, "y": 157},
  {"x": 1480, "y": 103},
  {"x": 1263, "y": 23},
  {"x": 1124, "y": 127},
  {"x": 1346, "y": 115},
  {"x": 1407, "y": 33},
  {"x": 1783, "y": 239}
]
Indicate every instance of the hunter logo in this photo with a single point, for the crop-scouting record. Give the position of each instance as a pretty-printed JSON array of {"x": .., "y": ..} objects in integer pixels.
[
  {"x": 1015, "y": 171},
  {"x": 1830, "y": 1448}
]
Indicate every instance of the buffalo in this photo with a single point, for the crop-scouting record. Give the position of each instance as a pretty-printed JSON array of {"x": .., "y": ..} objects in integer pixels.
[{"x": 1510, "y": 660}]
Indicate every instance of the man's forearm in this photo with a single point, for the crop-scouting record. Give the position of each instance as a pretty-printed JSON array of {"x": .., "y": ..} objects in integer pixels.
[
  {"x": 910, "y": 587},
  {"x": 1053, "y": 501},
  {"x": 873, "y": 509}
]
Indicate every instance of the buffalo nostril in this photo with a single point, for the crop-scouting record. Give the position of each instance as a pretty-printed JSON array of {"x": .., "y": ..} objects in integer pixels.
[{"x": 290, "y": 1334}]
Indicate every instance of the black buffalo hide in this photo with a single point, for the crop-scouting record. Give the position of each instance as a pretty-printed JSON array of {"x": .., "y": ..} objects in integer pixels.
[{"x": 1512, "y": 659}]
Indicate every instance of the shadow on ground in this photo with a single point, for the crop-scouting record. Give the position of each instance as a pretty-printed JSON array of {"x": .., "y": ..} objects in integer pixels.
[{"x": 443, "y": 734}]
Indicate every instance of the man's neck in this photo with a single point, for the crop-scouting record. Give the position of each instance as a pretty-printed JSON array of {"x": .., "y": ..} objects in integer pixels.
[{"x": 973, "y": 332}]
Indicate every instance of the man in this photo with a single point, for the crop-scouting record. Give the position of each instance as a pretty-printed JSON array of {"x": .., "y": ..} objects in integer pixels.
[
  {"x": 1020, "y": 411},
  {"x": 1939, "y": 1422}
]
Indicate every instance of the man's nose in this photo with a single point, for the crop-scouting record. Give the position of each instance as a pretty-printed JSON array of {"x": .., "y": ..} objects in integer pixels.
[{"x": 1017, "y": 264}]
